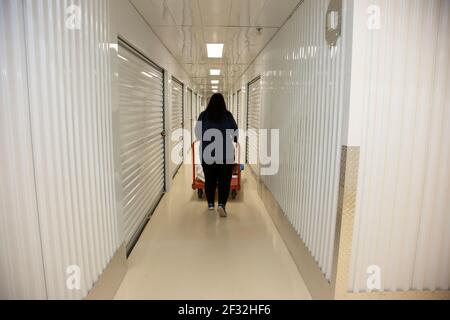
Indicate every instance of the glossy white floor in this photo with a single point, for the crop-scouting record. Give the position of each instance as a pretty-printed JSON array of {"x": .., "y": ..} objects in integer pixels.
[{"x": 187, "y": 252}]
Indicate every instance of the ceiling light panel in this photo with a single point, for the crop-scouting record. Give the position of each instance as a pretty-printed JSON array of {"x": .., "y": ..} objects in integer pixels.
[
  {"x": 215, "y": 72},
  {"x": 215, "y": 50}
]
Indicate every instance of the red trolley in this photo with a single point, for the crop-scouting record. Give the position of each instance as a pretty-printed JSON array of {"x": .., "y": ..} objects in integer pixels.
[{"x": 199, "y": 185}]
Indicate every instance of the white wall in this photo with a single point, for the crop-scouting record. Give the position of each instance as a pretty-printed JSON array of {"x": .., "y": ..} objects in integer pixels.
[
  {"x": 58, "y": 196},
  {"x": 63, "y": 212},
  {"x": 21, "y": 265},
  {"x": 400, "y": 116},
  {"x": 304, "y": 93},
  {"x": 71, "y": 125}
]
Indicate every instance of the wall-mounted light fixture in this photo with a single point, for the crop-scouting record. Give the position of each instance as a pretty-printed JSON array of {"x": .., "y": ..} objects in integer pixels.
[{"x": 334, "y": 22}]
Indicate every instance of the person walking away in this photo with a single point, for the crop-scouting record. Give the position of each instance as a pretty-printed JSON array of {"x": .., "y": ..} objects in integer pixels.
[{"x": 217, "y": 130}]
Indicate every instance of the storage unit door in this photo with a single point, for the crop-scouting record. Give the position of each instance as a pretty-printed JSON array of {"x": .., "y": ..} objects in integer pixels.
[
  {"x": 238, "y": 107},
  {"x": 190, "y": 114},
  {"x": 199, "y": 105},
  {"x": 234, "y": 106},
  {"x": 141, "y": 141},
  {"x": 177, "y": 121},
  {"x": 253, "y": 123},
  {"x": 194, "y": 108}
]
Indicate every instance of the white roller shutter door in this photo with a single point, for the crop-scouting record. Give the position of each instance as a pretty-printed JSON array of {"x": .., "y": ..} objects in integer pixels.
[
  {"x": 253, "y": 122},
  {"x": 190, "y": 114},
  {"x": 238, "y": 107},
  {"x": 234, "y": 112},
  {"x": 194, "y": 108},
  {"x": 177, "y": 120},
  {"x": 141, "y": 141},
  {"x": 199, "y": 105}
]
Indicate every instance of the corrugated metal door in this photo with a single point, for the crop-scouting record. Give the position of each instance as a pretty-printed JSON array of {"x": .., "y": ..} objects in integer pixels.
[
  {"x": 142, "y": 143},
  {"x": 238, "y": 106},
  {"x": 190, "y": 114},
  {"x": 194, "y": 108},
  {"x": 177, "y": 119},
  {"x": 199, "y": 106},
  {"x": 234, "y": 106},
  {"x": 253, "y": 123}
]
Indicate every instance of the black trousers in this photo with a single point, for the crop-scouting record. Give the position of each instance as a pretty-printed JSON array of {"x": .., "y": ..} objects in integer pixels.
[{"x": 218, "y": 176}]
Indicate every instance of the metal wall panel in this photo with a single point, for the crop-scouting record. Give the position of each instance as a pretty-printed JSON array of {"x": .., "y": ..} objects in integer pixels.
[
  {"x": 176, "y": 120},
  {"x": 304, "y": 85},
  {"x": 254, "y": 123},
  {"x": 199, "y": 105},
  {"x": 234, "y": 109},
  {"x": 238, "y": 107},
  {"x": 21, "y": 263},
  {"x": 71, "y": 125},
  {"x": 194, "y": 108},
  {"x": 233, "y": 104},
  {"x": 141, "y": 100},
  {"x": 401, "y": 118},
  {"x": 190, "y": 114}
]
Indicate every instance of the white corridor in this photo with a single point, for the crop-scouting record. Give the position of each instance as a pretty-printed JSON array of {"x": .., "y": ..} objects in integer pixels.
[{"x": 240, "y": 257}]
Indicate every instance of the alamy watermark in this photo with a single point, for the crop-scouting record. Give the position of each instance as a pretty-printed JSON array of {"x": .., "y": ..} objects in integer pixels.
[
  {"x": 73, "y": 17},
  {"x": 373, "y": 282},
  {"x": 73, "y": 280},
  {"x": 263, "y": 150},
  {"x": 374, "y": 17}
]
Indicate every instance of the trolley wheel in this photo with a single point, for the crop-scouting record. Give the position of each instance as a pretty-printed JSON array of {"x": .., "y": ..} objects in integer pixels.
[
  {"x": 234, "y": 194},
  {"x": 200, "y": 193}
]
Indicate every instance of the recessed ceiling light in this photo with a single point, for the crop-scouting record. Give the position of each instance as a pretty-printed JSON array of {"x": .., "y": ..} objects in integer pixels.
[
  {"x": 215, "y": 87},
  {"x": 215, "y": 50},
  {"x": 214, "y": 72},
  {"x": 215, "y": 81}
]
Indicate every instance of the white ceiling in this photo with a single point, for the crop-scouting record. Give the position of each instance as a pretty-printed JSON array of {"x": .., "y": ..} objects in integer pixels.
[{"x": 185, "y": 26}]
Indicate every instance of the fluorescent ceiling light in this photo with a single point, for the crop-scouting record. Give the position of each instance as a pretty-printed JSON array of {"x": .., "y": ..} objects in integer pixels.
[
  {"x": 215, "y": 50},
  {"x": 215, "y": 81},
  {"x": 214, "y": 72},
  {"x": 215, "y": 87}
]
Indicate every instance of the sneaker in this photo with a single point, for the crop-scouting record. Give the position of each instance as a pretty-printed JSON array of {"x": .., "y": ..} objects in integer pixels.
[
  {"x": 211, "y": 207},
  {"x": 222, "y": 211}
]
